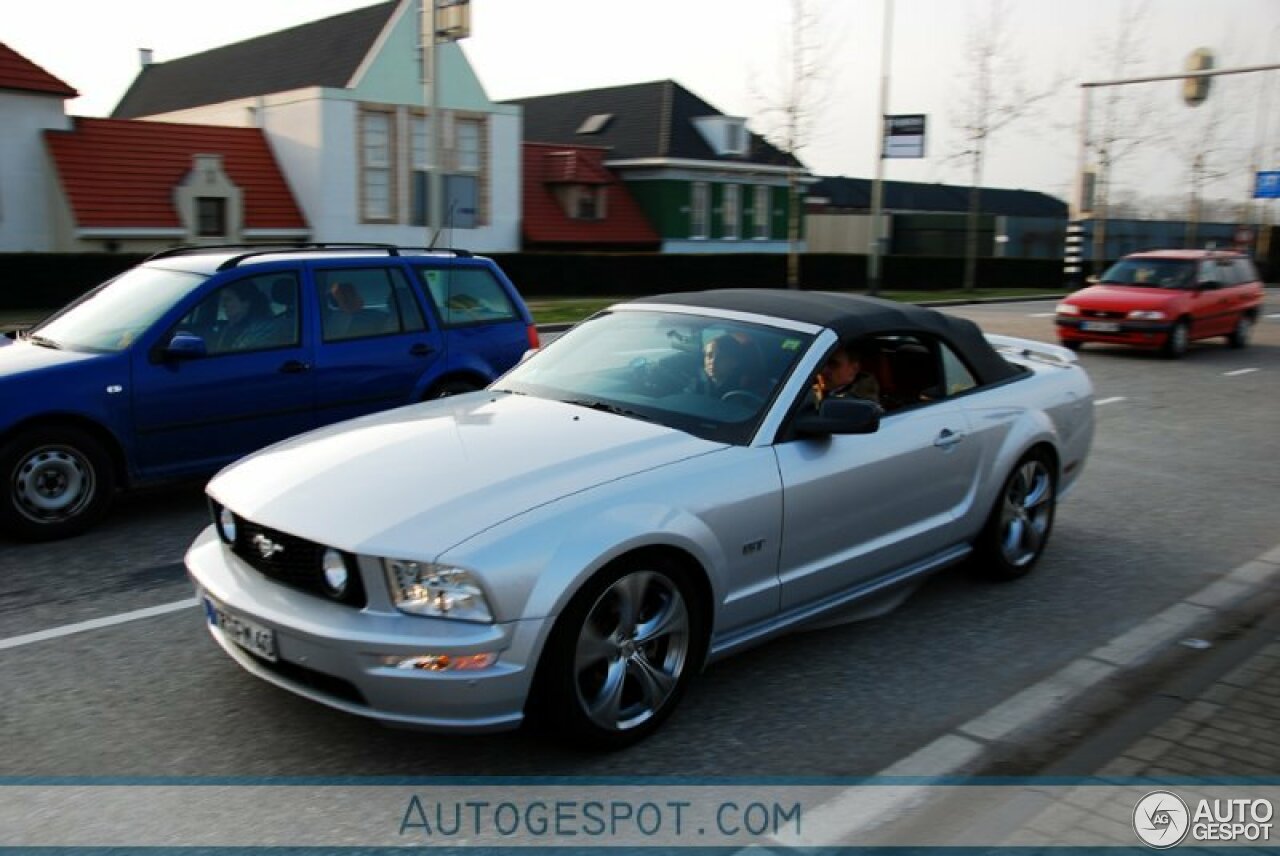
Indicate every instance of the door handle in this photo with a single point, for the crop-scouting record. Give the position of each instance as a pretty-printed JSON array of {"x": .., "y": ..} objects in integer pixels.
[
  {"x": 948, "y": 438},
  {"x": 421, "y": 349},
  {"x": 295, "y": 367}
]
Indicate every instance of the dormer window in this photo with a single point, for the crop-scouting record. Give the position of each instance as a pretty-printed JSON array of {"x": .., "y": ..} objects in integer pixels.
[
  {"x": 726, "y": 135},
  {"x": 583, "y": 201}
]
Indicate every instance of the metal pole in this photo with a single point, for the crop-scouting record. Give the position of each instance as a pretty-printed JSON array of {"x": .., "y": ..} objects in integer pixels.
[
  {"x": 877, "y": 186},
  {"x": 435, "y": 135}
]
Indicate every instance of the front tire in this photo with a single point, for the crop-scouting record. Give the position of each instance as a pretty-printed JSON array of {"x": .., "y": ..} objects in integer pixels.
[
  {"x": 1179, "y": 340},
  {"x": 1018, "y": 528},
  {"x": 57, "y": 482},
  {"x": 621, "y": 654}
]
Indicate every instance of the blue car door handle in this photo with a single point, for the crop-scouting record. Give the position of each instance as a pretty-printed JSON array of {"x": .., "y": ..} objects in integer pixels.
[
  {"x": 948, "y": 438},
  {"x": 295, "y": 367},
  {"x": 421, "y": 350}
]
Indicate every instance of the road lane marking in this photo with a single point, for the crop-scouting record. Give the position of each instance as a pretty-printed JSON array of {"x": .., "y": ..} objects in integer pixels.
[
  {"x": 1042, "y": 315},
  {"x": 96, "y": 623},
  {"x": 1274, "y": 315},
  {"x": 1112, "y": 400},
  {"x": 1238, "y": 372}
]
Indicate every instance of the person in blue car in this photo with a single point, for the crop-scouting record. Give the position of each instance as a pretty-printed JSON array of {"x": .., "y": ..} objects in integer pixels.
[{"x": 250, "y": 324}]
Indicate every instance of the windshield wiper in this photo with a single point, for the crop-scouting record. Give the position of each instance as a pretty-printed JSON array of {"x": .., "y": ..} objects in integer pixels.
[
  {"x": 596, "y": 404},
  {"x": 42, "y": 341}
]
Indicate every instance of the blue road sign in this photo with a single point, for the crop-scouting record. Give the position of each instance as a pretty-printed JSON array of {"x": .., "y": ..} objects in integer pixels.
[{"x": 1268, "y": 186}]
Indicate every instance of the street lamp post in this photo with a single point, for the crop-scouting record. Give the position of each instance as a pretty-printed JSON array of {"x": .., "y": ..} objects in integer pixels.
[{"x": 877, "y": 186}]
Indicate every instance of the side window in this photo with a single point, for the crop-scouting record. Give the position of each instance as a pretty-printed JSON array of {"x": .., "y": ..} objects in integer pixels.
[
  {"x": 357, "y": 303},
  {"x": 956, "y": 376},
  {"x": 252, "y": 314},
  {"x": 909, "y": 371},
  {"x": 465, "y": 296},
  {"x": 1245, "y": 271}
]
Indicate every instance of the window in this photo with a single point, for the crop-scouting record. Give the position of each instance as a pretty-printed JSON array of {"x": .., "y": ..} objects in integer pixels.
[
  {"x": 420, "y": 147},
  {"x": 357, "y": 303},
  {"x": 956, "y": 374},
  {"x": 376, "y": 165},
  {"x": 730, "y": 212},
  {"x": 587, "y": 202},
  {"x": 467, "y": 145},
  {"x": 734, "y": 139},
  {"x": 252, "y": 314},
  {"x": 761, "y": 212},
  {"x": 211, "y": 216},
  {"x": 464, "y": 296},
  {"x": 698, "y": 210}
]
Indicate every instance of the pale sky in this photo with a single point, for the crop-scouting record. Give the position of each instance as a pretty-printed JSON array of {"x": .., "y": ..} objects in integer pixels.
[{"x": 730, "y": 53}]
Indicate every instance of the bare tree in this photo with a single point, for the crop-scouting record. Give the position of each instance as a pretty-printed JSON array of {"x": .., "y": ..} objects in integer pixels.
[
  {"x": 994, "y": 96},
  {"x": 788, "y": 118},
  {"x": 1126, "y": 117}
]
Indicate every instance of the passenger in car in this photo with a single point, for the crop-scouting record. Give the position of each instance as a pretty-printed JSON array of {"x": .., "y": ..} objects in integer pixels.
[
  {"x": 842, "y": 375},
  {"x": 729, "y": 365},
  {"x": 250, "y": 324}
]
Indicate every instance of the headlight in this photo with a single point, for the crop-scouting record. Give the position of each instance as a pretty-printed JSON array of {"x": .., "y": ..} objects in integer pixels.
[
  {"x": 336, "y": 574},
  {"x": 1147, "y": 315},
  {"x": 1067, "y": 309},
  {"x": 423, "y": 588},
  {"x": 226, "y": 523}
]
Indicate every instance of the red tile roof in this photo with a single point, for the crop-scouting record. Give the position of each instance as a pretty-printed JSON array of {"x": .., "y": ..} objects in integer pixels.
[
  {"x": 122, "y": 172},
  {"x": 544, "y": 220},
  {"x": 18, "y": 72}
]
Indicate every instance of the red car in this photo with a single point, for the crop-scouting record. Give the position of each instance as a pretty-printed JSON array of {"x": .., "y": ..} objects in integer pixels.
[{"x": 1165, "y": 299}]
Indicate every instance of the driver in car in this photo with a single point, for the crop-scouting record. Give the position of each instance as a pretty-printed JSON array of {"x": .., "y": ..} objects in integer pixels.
[{"x": 727, "y": 362}]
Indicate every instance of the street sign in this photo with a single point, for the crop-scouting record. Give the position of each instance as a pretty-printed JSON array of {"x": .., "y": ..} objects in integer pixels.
[
  {"x": 1268, "y": 186},
  {"x": 904, "y": 136}
]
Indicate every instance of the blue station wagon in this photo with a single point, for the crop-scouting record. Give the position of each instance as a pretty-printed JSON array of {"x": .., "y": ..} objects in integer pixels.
[{"x": 201, "y": 355}]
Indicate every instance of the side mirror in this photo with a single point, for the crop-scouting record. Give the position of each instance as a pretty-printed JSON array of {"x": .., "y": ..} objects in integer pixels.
[
  {"x": 840, "y": 416},
  {"x": 186, "y": 346}
]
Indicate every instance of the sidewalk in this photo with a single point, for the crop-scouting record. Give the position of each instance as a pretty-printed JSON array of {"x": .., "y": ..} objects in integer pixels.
[{"x": 1186, "y": 704}]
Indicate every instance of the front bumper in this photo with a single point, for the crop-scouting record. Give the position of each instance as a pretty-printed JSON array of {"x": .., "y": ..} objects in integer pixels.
[
  {"x": 334, "y": 654},
  {"x": 1148, "y": 334}
]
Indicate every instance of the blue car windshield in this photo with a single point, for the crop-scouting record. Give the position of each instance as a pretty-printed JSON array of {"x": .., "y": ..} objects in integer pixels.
[
  {"x": 112, "y": 316},
  {"x": 710, "y": 377}
]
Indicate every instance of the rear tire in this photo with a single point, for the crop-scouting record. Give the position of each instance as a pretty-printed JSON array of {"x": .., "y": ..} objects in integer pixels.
[
  {"x": 1018, "y": 528},
  {"x": 621, "y": 655},
  {"x": 57, "y": 482},
  {"x": 1239, "y": 337}
]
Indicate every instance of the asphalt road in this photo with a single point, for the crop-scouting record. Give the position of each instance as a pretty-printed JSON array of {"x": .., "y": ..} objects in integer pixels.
[{"x": 1180, "y": 488}]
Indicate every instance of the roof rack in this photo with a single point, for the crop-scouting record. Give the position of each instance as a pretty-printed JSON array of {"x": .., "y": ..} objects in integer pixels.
[{"x": 255, "y": 250}]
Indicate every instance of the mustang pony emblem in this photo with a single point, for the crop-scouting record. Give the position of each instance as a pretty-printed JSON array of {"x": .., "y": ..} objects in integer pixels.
[{"x": 266, "y": 547}]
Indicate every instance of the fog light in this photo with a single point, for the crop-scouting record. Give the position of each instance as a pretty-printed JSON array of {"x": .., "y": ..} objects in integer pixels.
[
  {"x": 227, "y": 525},
  {"x": 336, "y": 575},
  {"x": 443, "y": 662}
]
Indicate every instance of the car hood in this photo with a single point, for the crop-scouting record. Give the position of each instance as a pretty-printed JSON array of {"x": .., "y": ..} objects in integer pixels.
[
  {"x": 21, "y": 357},
  {"x": 415, "y": 481},
  {"x": 1123, "y": 297}
]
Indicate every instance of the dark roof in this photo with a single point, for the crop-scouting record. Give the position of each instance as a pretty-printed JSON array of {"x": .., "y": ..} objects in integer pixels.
[
  {"x": 855, "y": 194},
  {"x": 120, "y": 173},
  {"x": 322, "y": 53},
  {"x": 851, "y": 316},
  {"x": 21, "y": 74},
  {"x": 649, "y": 120}
]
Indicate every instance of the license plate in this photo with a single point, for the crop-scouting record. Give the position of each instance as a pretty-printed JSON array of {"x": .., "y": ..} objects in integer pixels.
[
  {"x": 249, "y": 635},
  {"x": 1101, "y": 326}
]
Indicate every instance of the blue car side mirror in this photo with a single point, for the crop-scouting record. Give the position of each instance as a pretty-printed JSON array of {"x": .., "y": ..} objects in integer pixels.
[{"x": 186, "y": 346}]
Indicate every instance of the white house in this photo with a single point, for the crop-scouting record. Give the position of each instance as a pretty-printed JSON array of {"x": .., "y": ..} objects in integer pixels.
[{"x": 341, "y": 102}]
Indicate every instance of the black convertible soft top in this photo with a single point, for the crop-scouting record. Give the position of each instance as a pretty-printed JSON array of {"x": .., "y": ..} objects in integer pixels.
[{"x": 851, "y": 316}]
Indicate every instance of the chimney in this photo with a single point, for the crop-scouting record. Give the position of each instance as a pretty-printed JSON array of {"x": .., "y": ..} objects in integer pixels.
[{"x": 145, "y": 56}]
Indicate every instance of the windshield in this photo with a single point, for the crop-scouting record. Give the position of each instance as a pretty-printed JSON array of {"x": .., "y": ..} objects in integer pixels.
[
  {"x": 113, "y": 315},
  {"x": 709, "y": 377},
  {"x": 1152, "y": 273}
]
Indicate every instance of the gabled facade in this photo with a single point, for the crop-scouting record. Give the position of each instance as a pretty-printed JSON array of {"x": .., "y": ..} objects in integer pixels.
[
  {"x": 704, "y": 182},
  {"x": 31, "y": 102},
  {"x": 573, "y": 201},
  {"x": 341, "y": 103},
  {"x": 141, "y": 186}
]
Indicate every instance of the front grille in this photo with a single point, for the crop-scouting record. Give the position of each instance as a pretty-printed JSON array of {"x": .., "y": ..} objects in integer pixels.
[
  {"x": 1102, "y": 315},
  {"x": 293, "y": 561},
  {"x": 336, "y": 687}
]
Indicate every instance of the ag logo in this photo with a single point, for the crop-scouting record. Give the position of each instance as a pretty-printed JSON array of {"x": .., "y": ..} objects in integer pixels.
[{"x": 1161, "y": 819}]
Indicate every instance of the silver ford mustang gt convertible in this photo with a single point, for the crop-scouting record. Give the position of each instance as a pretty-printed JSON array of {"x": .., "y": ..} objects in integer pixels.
[{"x": 672, "y": 481}]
